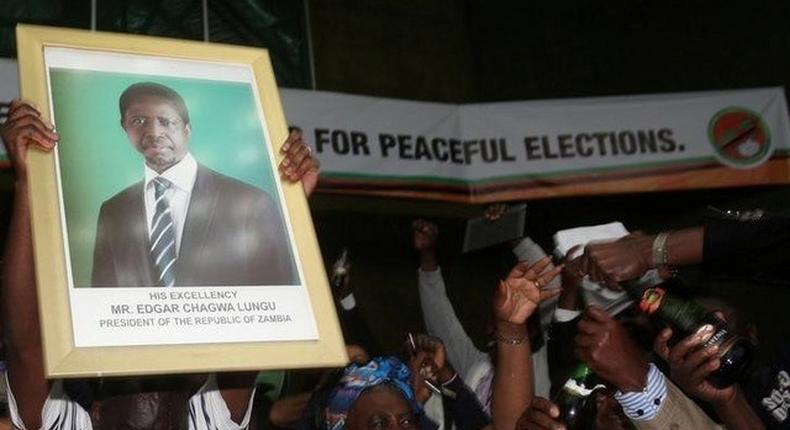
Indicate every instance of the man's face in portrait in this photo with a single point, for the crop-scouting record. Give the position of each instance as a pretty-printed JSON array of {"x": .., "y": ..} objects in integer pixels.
[{"x": 157, "y": 131}]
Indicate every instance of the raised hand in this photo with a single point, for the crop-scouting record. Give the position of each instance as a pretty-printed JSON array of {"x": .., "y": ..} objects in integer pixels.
[
  {"x": 434, "y": 347},
  {"x": 422, "y": 367},
  {"x": 494, "y": 212},
  {"x": 298, "y": 163},
  {"x": 518, "y": 295},
  {"x": 618, "y": 261},
  {"x": 425, "y": 234}
]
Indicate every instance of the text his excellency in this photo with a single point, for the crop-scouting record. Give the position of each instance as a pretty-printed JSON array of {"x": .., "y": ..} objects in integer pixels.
[{"x": 184, "y": 224}]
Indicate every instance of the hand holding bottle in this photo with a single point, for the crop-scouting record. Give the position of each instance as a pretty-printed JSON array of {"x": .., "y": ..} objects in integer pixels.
[
  {"x": 441, "y": 371},
  {"x": 689, "y": 318},
  {"x": 429, "y": 365},
  {"x": 541, "y": 415},
  {"x": 690, "y": 365},
  {"x": 610, "y": 352},
  {"x": 422, "y": 370}
]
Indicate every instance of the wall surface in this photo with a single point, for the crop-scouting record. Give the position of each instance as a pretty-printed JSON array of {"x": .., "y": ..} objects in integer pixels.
[{"x": 9, "y": 79}]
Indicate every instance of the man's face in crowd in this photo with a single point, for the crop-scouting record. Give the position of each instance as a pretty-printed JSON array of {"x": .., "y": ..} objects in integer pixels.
[{"x": 157, "y": 131}]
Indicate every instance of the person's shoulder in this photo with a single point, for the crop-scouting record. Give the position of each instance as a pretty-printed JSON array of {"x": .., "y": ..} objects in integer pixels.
[
  {"x": 128, "y": 196},
  {"x": 231, "y": 187}
]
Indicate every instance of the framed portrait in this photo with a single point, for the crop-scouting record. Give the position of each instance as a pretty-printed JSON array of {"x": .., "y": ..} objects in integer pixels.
[{"x": 164, "y": 240}]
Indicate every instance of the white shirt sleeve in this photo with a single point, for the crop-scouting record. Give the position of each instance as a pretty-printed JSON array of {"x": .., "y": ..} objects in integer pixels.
[
  {"x": 208, "y": 410},
  {"x": 565, "y": 315},
  {"x": 348, "y": 302},
  {"x": 441, "y": 321},
  {"x": 59, "y": 411}
]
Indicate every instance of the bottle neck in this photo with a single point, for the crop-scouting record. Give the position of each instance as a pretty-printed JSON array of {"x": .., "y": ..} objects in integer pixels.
[
  {"x": 685, "y": 316},
  {"x": 634, "y": 289},
  {"x": 582, "y": 371},
  {"x": 581, "y": 382}
]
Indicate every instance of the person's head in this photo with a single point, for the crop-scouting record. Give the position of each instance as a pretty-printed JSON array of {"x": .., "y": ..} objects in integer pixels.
[
  {"x": 156, "y": 120},
  {"x": 381, "y": 407},
  {"x": 733, "y": 315},
  {"x": 374, "y": 396}
]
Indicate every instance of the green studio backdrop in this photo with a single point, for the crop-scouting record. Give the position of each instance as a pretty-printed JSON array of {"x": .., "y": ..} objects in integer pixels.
[{"x": 97, "y": 160}]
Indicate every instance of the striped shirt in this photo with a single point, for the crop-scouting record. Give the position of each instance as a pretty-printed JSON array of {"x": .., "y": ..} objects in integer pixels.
[
  {"x": 644, "y": 405},
  {"x": 206, "y": 410}
]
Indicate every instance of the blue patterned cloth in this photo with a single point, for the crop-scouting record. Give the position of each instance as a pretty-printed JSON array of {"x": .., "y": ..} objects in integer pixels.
[{"x": 356, "y": 379}]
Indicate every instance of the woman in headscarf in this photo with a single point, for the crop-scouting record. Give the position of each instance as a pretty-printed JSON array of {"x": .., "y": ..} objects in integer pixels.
[{"x": 374, "y": 396}]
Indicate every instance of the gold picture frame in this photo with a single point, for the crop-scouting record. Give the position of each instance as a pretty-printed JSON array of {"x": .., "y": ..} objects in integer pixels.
[{"x": 79, "y": 343}]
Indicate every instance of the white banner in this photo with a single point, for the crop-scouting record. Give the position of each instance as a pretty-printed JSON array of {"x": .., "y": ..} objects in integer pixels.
[
  {"x": 515, "y": 150},
  {"x": 501, "y": 151}
]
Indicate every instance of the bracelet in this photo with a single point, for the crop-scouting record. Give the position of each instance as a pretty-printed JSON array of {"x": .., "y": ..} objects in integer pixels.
[
  {"x": 660, "y": 254},
  {"x": 511, "y": 340}
]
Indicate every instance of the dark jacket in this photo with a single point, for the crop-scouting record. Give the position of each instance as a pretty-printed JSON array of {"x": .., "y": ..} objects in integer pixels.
[{"x": 233, "y": 235}]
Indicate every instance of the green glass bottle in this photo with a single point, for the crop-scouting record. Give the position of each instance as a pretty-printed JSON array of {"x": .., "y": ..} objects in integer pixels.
[
  {"x": 687, "y": 317},
  {"x": 575, "y": 400}
]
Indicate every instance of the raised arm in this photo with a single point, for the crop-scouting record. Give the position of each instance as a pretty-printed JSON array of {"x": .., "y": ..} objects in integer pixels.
[
  {"x": 633, "y": 255},
  {"x": 516, "y": 298},
  {"x": 429, "y": 362},
  {"x": 437, "y": 310},
  {"x": 24, "y": 128}
]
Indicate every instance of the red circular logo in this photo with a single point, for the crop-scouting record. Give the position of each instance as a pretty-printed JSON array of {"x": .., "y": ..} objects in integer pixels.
[{"x": 740, "y": 137}]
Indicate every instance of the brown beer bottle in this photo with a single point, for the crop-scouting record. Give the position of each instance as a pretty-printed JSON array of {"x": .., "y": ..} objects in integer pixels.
[{"x": 687, "y": 317}]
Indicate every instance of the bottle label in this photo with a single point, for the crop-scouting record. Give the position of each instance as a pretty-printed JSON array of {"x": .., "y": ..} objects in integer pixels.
[
  {"x": 724, "y": 342},
  {"x": 651, "y": 300},
  {"x": 713, "y": 335}
]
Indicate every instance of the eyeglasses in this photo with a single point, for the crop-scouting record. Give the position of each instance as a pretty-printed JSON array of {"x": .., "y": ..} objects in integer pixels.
[{"x": 141, "y": 122}]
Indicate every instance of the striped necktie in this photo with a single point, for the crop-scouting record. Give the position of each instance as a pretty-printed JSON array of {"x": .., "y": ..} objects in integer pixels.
[{"x": 163, "y": 238}]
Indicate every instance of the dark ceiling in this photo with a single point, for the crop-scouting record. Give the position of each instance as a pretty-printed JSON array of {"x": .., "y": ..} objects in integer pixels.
[
  {"x": 466, "y": 50},
  {"x": 463, "y": 51}
]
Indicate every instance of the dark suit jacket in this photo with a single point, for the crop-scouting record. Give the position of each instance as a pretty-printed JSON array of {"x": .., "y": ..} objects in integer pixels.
[{"x": 233, "y": 235}]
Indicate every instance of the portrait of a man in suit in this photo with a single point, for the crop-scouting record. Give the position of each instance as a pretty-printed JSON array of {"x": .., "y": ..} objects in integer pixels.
[{"x": 184, "y": 224}]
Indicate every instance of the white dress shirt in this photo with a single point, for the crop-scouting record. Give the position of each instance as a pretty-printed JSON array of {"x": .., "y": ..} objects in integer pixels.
[{"x": 182, "y": 175}]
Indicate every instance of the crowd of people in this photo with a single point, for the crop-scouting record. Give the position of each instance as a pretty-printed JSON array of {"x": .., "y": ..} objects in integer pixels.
[{"x": 542, "y": 328}]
